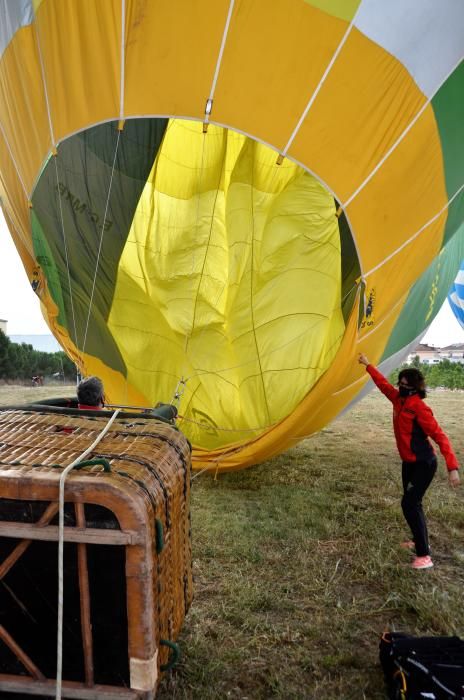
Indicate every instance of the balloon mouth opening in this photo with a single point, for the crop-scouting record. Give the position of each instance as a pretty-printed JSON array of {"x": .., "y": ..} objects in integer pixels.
[{"x": 199, "y": 257}]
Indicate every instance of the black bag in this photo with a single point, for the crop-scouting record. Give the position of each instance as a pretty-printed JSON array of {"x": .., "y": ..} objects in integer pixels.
[{"x": 416, "y": 668}]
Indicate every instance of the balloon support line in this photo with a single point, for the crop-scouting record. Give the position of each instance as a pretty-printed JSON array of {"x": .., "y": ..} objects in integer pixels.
[
  {"x": 187, "y": 337},
  {"x": 417, "y": 233},
  {"x": 197, "y": 218},
  {"x": 66, "y": 254},
  {"x": 322, "y": 80},
  {"x": 101, "y": 239},
  {"x": 243, "y": 364},
  {"x": 60, "y": 603},
  {"x": 209, "y": 101}
]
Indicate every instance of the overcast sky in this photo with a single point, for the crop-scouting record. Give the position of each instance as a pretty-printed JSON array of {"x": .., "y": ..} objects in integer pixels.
[{"x": 21, "y": 308}]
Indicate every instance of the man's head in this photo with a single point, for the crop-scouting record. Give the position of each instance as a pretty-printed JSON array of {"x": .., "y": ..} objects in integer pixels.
[{"x": 90, "y": 392}]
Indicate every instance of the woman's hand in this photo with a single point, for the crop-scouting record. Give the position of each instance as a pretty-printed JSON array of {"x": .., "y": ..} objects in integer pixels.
[
  {"x": 453, "y": 478},
  {"x": 362, "y": 359}
]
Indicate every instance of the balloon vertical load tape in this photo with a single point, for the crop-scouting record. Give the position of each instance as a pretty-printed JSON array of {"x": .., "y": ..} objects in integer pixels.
[{"x": 125, "y": 595}]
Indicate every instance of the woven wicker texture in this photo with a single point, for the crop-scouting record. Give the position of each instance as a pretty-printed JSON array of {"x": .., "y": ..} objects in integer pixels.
[{"x": 150, "y": 461}]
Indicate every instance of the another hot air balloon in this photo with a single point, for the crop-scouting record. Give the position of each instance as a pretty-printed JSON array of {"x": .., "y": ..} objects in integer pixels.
[
  {"x": 456, "y": 296},
  {"x": 229, "y": 200}
]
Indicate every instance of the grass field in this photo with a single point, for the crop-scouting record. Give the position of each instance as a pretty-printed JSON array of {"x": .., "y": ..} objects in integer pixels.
[
  {"x": 17, "y": 395},
  {"x": 298, "y": 570}
]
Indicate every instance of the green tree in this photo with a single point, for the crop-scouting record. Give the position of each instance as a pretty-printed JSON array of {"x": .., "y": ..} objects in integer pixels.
[
  {"x": 444, "y": 373},
  {"x": 4, "y": 355},
  {"x": 21, "y": 361}
]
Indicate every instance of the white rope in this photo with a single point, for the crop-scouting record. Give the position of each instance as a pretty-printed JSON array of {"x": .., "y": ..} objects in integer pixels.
[
  {"x": 176, "y": 400},
  {"x": 197, "y": 218},
  {"x": 319, "y": 86},
  {"x": 101, "y": 243},
  {"x": 275, "y": 170},
  {"x": 209, "y": 102},
  {"x": 252, "y": 292},
  {"x": 64, "y": 474},
  {"x": 179, "y": 392},
  {"x": 207, "y": 250},
  {"x": 415, "y": 235},
  {"x": 63, "y": 232},
  {"x": 385, "y": 157},
  {"x": 42, "y": 70},
  {"x": 181, "y": 381},
  {"x": 195, "y": 476},
  {"x": 215, "y": 464},
  {"x": 55, "y": 155},
  {"x": 348, "y": 386},
  {"x": 123, "y": 67},
  {"x": 398, "y": 140}
]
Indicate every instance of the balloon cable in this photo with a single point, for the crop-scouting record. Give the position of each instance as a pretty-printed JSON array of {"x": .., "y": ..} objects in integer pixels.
[
  {"x": 275, "y": 171},
  {"x": 197, "y": 218},
  {"x": 101, "y": 240},
  {"x": 64, "y": 474},
  {"x": 66, "y": 254}
]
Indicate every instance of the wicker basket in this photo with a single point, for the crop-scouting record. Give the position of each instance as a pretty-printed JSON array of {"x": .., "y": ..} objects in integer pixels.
[{"x": 127, "y": 553}]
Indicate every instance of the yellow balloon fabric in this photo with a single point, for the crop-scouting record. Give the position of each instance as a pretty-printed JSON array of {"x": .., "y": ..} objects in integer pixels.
[
  {"x": 230, "y": 200},
  {"x": 228, "y": 240}
]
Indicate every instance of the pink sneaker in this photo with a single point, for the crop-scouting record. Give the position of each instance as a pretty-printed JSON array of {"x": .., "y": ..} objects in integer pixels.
[
  {"x": 409, "y": 544},
  {"x": 422, "y": 562}
]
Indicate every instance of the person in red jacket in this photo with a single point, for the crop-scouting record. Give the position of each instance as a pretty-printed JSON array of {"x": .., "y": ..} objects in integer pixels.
[{"x": 414, "y": 423}]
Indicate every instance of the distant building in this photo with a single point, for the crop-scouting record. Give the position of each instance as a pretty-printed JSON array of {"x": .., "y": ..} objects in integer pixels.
[
  {"x": 3, "y": 325},
  {"x": 427, "y": 354},
  {"x": 454, "y": 353},
  {"x": 430, "y": 355}
]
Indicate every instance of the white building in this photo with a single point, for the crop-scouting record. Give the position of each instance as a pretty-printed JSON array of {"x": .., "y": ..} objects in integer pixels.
[
  {"x": 427, "y": 354},
  {"x": 453, "y": 353},
  {"x": 430, "y": 355},
  {"x": 3, "y": 325}
]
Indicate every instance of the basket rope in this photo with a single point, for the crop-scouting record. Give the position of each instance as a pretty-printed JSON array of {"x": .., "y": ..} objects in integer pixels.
[{"x": 64, "y": 474}]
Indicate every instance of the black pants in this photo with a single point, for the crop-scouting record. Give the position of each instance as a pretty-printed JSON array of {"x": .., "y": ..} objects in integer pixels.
[{"x": 417, "y": 477}]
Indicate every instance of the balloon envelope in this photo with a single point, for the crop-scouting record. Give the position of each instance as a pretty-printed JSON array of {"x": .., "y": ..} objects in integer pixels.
[
  {"x": 456, "y": 296},
  {"x": 229, "y": 201}
]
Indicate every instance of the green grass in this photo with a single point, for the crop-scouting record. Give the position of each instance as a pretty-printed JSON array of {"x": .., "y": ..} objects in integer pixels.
[
  {"x": 298, "y": 570},
  {"x": 14, "y": 394}
]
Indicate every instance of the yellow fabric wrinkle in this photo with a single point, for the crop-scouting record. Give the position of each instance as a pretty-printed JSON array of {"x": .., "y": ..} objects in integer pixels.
[
  {"x": 232, "y": 273},
  {"x": 232, "y": 270}
]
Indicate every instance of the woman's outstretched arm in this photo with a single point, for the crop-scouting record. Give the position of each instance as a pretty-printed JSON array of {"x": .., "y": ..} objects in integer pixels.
[{"x": 379, "y": 380}]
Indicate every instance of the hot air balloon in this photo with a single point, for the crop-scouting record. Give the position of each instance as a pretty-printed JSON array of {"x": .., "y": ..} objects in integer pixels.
[
  {"x": 225, "y": 202},
  {"x": 456, "y": 296}
]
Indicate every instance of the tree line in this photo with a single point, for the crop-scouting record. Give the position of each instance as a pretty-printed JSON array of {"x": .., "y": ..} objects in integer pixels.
[
  {"x": 443, "y": 374},
  {"x": 21, "y": 361}
]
